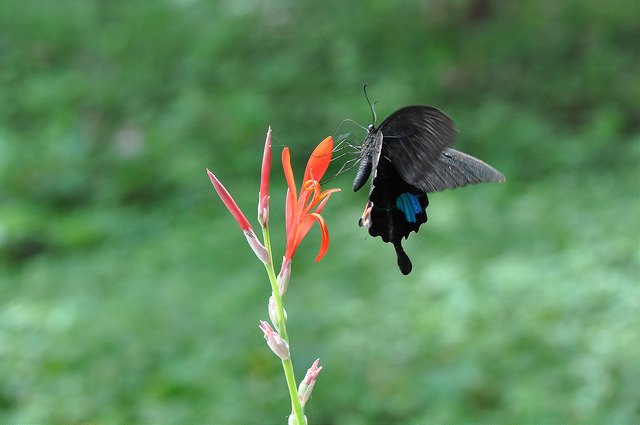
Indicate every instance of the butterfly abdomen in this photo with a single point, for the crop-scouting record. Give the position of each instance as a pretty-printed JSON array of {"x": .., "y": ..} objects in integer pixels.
[
  {"x": 363, "y": 173},
  {"x": 370, "y": 155}
]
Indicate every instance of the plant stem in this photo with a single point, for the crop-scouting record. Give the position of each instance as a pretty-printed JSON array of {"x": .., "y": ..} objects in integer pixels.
[{"x": 287, "y": 365}]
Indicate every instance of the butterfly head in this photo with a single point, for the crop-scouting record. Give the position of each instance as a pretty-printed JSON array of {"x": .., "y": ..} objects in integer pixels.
[{"x": 370, "y": 128}]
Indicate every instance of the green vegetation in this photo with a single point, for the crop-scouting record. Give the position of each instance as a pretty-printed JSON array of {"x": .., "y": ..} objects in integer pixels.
[{"x": 128, "y": 294}]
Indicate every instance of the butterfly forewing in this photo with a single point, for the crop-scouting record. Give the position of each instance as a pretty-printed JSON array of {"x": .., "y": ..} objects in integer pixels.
[
  {"x": 456, "y": 169},
  {"x": 413, "y": 139}
]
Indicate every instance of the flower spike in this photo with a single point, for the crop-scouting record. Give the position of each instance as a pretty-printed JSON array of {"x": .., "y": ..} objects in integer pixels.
[{"x": 303, "y": 207}]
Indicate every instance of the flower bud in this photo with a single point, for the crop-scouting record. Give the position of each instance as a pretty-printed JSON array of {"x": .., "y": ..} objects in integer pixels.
[
  {"x": 284, "y": 275},
  {"x": 257, "y": 247},
  {"x": 228, "y": 201},
  {"x": 278, "y": 345},
  {"x": 293, "y": 421},
  {"x": 309, "y": 381},
  {"x": 273, "y": 312},
  {"x": 263, "y": 211},
  {"x": 265, "y": 173}
]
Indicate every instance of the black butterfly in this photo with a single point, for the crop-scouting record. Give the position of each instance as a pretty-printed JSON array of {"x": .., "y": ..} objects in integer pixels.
[{"x": 409, "y": 156}]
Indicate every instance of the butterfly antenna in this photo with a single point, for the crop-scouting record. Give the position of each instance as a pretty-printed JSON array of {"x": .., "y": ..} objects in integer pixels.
[
  {"x": 352, "y": 122},
  {"x": 371, "y": 106}
]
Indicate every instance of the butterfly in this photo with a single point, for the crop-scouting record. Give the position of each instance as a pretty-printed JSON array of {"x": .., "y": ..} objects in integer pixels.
[{"x": 408, "y": 156}]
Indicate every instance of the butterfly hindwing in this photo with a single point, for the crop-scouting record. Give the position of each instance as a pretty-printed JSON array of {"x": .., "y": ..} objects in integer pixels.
[{"x": 397, "y": 209}]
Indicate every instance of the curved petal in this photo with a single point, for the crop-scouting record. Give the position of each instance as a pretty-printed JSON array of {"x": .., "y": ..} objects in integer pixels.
[
  {"x": 290, "y": 204},
  {"x": 307, "y": 219},
  {"x": 329, "y": 192},
  {"x": 305, "y": 225},
  {"x": 310, "y": 186},
  {"x": 288, "y": 173},
  {"x": 325, "y": 197},
  {"x": 319, "y": 160},
  {"x": 289, "y": 211},
  {"x": 302, "y": 207},
  {"x": 324, "y": 243}
]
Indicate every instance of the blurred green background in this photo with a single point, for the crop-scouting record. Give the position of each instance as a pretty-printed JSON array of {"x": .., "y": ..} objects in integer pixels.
[{"x": 128, "y": 294}]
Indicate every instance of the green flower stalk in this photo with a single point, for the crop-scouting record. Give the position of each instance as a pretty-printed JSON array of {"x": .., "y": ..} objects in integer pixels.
[{"x": 301, "y": 213}]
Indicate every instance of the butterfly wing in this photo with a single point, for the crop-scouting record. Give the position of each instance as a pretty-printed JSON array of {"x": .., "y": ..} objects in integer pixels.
[
  {"x": 456, "y": 169},
  {"x": 395, "y": 209},
  {"x": 412, "y": 159},
  {"x": 414, "y": 138}
]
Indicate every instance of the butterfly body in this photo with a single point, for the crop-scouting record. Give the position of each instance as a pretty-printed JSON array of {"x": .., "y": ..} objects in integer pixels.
[{"x": 408, "y": 156}]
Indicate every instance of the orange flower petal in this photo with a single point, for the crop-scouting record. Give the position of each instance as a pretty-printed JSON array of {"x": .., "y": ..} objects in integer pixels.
[
  {"x": 309, "y": 187},
  {"x": 319, "y": 160},
  {"x": 329, "y": 192},
  {"x": 304, "y": 224},
  {"x": 294, "y": 233},
  {"x": 290, "y": 205},
  {"x": 322, "y": 199},
  {"x": 302, "y": 202},
  {"x": 288, "y": 173},
  {"x": 325, "y": 197},
  {"x": 303, "y": 228},
  {"x": 324, "y": 243},
  {"x": 289, "y": 211}
]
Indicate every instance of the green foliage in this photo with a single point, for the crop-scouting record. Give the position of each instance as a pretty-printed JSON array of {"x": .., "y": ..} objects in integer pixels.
[{"x": 127, "y": 293}]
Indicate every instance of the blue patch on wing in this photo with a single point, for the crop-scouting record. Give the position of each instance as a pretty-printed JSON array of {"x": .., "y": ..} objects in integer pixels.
[{"x": 409, "y": 205}]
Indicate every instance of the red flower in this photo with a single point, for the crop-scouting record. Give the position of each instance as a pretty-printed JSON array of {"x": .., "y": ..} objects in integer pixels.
[{"x": 303, "y": 211}]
